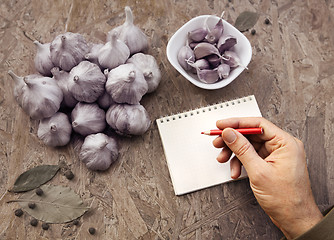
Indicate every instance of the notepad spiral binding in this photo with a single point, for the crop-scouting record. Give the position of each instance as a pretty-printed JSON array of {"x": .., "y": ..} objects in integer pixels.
[{"x": 197, "y": 111}]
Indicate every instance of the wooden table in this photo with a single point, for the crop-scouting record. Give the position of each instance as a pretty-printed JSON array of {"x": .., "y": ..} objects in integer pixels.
[{"x": 291, "y": 74}]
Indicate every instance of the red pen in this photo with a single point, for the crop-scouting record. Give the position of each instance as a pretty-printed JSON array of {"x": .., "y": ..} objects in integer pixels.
[{"x": 244, "y": 131}]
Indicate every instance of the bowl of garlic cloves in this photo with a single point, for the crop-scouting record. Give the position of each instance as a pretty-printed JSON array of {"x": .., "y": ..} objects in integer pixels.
[{"x": 209, "y": 52}]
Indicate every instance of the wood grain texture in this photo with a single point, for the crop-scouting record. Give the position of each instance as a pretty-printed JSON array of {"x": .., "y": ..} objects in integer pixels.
[{"x": 291, "y": 74}]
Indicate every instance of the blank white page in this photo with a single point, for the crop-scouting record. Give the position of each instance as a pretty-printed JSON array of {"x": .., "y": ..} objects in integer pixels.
[{"x": 190, "y": 155}]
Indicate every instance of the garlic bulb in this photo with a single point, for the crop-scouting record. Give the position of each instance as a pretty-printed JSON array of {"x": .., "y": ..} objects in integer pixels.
[
  {"x": 113, "y": 53},
  {"x": 126, "y": 84},
  {"x": 62, "y": 79},
  {"x": 128, "y": 119},
  {"x": 55, "y": 131},
  {"x": 105, "y": 101},
  {"x": 39, "y": 96},
  {"x": 130, "y": 34},
  {"x": 148, "y": 65},
  {"x": 88, "y": 118},
  {"x": 43, "y": 63},
  {"x": 86, "y": 82},
  {"x": 68, "y": 49},
  {"x": 98, "y": 151},
  {"x": 93, "y": 54}
]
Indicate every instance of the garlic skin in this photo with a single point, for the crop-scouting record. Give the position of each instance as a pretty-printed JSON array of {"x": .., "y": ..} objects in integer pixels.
[
  {"x": 130, "y": 34},
  {"x": 113, "y": 53},
  {"x": 88, "y": 118},
  {"x": 68, "y": 50},
  {"x": 98, "y": 151},
  {"x": 43, "y": 63},
  {"x": 39, "y": 96},
  {"x": 86, "y": 82},
  {"x": 93, "y": 54},
  {"x": 62, "y": 79},
  {"x": 126, "y": 84},
  {"x": 128, "y": 119},
  {"x": 55, "y": 131},
  {"x": 215, "y": 33},
  {"x": 149, "y": 66}
]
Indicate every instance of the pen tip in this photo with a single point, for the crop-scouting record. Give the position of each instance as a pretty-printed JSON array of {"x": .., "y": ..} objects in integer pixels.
[{"x": 202, "y": 132}]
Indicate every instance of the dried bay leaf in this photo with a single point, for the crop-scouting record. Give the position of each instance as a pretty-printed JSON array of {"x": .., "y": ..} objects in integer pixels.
[
  {"x": 58, "y": 204},
  {"x": 246, "y": 20},
  {"x": 34, "y": 178}
]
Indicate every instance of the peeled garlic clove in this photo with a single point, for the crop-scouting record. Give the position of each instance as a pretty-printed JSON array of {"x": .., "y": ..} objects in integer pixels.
[
  {"x": 128, "y": 119},
  {"x": 86, "y": 82},
  {"x": 130, "y": 34},
  {"x": 98, "y": 151},
  {"x": 214, "y": 60},
  {"x": 215, "y": 33},
  {"x": 223, "y": 70},
  {"x": 68, "y": 50},
  {"x": 226, "y": 42},
  {"x": 208, "y": 75},
  {"x": 55, "y": 131},
  {"x": 197, "y": 35},
  {"x": 205, "y": 49},
  {"x": 39, "y": 96},
  {"x": 126, "y": 84},
  {"x": 62, "y": 79},
  {"x": 113, "y": 53},
  {"x": 185, "y": 53},
  {"x": 88, "y": 118},
  {"x": 105, "y": 100},
  {"x": 43, "y": 63},
  {"x": 149, "y": 66},
  {"x": 93, "y": 54},
  {"x": 232, "y": 59}
]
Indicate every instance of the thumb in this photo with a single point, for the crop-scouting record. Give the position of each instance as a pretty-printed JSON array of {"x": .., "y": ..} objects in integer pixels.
[{"x": 242, "y": 149}]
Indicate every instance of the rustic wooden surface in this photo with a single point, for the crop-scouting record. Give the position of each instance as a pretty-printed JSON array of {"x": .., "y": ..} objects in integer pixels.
[{"x": 291, "y": 75}]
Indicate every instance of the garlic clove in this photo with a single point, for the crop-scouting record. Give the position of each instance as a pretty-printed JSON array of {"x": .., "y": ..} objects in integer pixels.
[
  {"x": 185, "y": 54},
  {"x": 199, "y": 64},
  {"x": 43, "y": 63},
  {"x": 197, "y": 35},
  {"x": 130, "y": 34},
  {"x": 149, "y": 66},
  {"x": 86, "y": 82},
  {"x": 88, "y": 118},
  {"x": 39, "y": 96},
  {"x": 128, "y": 119},
  {"x": 113, "y": 53},
  {"x": 232, "y": 59},
  {"x": 55, "y": 131},
  {"x": 62, "y": 79},
  {"x": 126, "y": 84},
  {"x": 208, "y": 75},
  {"x": 98, "y": 151},
  {"x": 215, "y": 33},
  {"x": 205, "y": 49},
  {"x": 68, "y": 50},
  {"x": 214, "y": 60},
  {"x": 93, "y": 54},
  {"x": 226, "y": 42},
  {"x": 223, "y": 70}
]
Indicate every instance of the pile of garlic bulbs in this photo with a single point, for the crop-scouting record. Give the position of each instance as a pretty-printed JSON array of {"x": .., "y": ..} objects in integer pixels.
[{"x": 86, "y": 88}]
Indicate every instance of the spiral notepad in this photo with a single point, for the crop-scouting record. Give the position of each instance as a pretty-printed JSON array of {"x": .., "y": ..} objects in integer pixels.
[{"x": 190, "y": 155}]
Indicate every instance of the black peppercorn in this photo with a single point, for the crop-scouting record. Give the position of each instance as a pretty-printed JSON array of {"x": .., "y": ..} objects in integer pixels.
[
  {"x": 76, "y": 222},
  {"x": 39, "y": 191},
  {"x": 33, "y": 222},
  {"x": 18, "y": 212},
  {"x": 253, "y": 31},
  {"x": 45, "y": 226},
  {"x": 69, "y": 175},
  {"x": 267, "y": 21},
  {"x": 31, "y": 205},
  {"x": 91, "y": 230}
]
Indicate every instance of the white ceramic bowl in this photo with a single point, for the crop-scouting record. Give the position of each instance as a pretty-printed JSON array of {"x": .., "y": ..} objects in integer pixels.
[{"x": 243, "y": 49}]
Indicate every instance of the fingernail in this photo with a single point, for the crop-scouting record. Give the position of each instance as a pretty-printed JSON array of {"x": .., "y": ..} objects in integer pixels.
[{"x": 229, "y": 136}]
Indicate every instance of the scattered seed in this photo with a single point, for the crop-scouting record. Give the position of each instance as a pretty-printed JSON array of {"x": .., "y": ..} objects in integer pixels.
[
  {"x": 267, "y": 21},
  {"x": 69, "y": 175},
  {"x": 39, "y": 191},
  {"x": 91, "y": 230},
  {"x": 33, "y": 222},
  {"x": 253, "y": 31},
  {"x": 31, "y": 205},
  {"x": 18, "y": 212},
  {"x": 45, "y": 226},
  {"x": 76, "y": 222}
]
